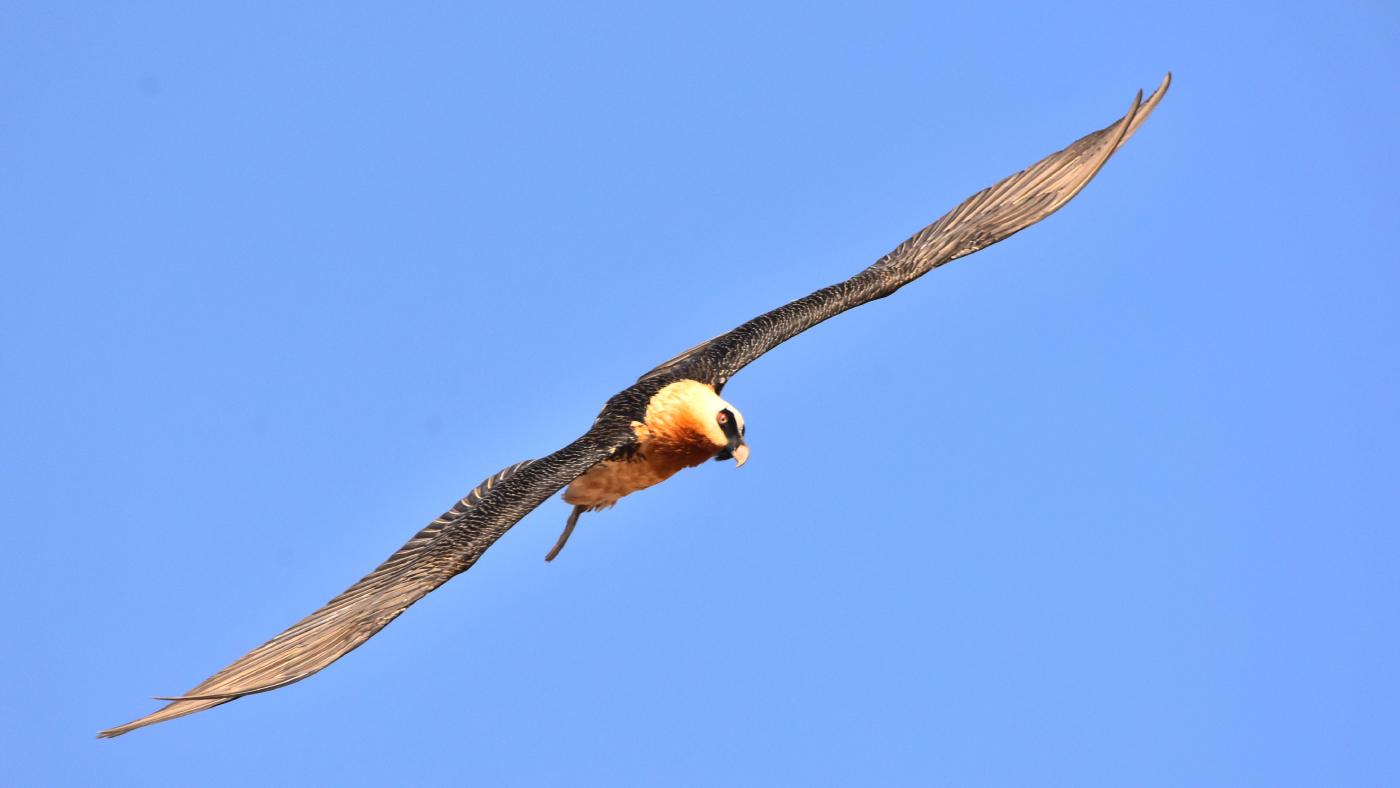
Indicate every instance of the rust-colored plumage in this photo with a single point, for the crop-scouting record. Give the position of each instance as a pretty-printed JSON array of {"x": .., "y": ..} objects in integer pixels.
[
  {"x": 679, "y": 431},
  {"x": 671, "y": 418}
]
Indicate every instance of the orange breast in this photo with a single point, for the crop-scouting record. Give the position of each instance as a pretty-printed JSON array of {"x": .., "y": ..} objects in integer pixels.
[{"x": 661, "y": 453}]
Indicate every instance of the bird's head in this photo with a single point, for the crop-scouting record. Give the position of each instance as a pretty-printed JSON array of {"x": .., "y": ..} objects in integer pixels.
[
  {"x": 690, "y": 416},
  {"x": 730, "y": 437}
]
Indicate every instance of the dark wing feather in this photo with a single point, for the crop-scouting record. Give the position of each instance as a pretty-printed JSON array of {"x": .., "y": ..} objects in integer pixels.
[
  {"x": 989, "y": 216},
  {"x": 444, "y": 548}
]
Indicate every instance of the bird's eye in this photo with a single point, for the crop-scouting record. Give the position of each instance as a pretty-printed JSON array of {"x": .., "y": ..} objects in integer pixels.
[{"x": 722, "y": 417}]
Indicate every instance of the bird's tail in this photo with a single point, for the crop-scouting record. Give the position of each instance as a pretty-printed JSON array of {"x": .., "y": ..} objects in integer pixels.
[{"x": 568, "y": 531}]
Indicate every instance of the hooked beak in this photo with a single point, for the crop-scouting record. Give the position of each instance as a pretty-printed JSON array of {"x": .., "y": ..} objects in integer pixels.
[{"x": 741, "y": 455}]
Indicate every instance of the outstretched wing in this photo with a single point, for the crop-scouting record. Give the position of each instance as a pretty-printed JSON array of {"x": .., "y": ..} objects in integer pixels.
[
  {"x": 991, "y": 215},
  {"x": 448, "y": 546}
]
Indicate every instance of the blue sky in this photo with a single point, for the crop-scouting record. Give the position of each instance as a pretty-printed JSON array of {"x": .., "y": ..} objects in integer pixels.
[{"x": 1111, "y": 503}]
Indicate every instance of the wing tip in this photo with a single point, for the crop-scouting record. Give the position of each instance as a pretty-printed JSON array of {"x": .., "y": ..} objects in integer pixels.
[
  {"x": 173, "y": 710},
  {"x": 149, "y": 719},
  {"x": 112, "y": 733},
  {"x": 118, "y": 730},
  {"x": 1143, "y": 108}
]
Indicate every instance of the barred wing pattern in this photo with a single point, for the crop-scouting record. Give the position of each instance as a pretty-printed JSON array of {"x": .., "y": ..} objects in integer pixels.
[
  {"x": 346, "y": 621},
  {"x": 989, "y": 216}
]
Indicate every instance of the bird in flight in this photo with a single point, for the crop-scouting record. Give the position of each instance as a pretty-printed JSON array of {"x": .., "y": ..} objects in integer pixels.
[{"x": 672, "y": 418}]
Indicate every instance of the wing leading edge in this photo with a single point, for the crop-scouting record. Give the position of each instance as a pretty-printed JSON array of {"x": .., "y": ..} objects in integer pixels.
[{"x": 991, "y": 215}]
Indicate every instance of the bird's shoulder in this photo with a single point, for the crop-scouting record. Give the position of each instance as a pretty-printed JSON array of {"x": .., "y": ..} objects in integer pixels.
[{"x": 630, "y": 405}]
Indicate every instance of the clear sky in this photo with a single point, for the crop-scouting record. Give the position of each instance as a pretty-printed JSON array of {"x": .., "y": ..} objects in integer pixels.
[{"x": 1112, "y": 503}]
